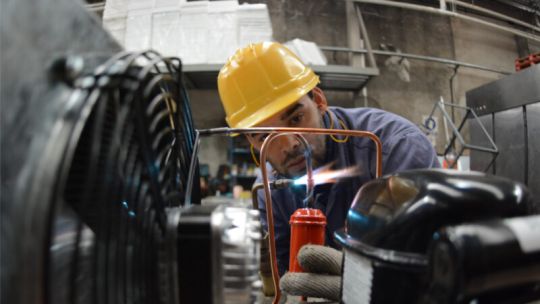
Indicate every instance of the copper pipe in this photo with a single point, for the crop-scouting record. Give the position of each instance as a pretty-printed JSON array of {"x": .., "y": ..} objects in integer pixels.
[
  {"x": 270, "y": 219},
  {"x": 254, "y": 201},
  {"x": 268, "y": 201},
  {"x": 268, "y": 198},
  {"x": 356, "y": 133},
  {"x": 277, "y": 184}
]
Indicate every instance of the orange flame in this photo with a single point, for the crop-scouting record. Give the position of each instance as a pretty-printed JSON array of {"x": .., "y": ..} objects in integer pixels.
[{"x": 324, "y": 175}]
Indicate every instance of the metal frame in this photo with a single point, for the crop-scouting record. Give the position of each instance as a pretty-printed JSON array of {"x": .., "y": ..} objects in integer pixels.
[
  {"x": 416, "y": 57},
  {"x": 365, "y": 37},
  {"x": 519, "y": 5},
  {"x": 493, "y": 14},
  {"x": 439, "y": 11},
  {"x": 456, "y": 130}
]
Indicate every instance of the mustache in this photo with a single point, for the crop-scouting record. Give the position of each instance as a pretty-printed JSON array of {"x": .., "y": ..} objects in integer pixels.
[{"x": 293, "y": 156}]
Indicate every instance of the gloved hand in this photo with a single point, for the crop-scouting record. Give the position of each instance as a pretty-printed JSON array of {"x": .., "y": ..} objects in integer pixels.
[{"x": 322, "y": 273}]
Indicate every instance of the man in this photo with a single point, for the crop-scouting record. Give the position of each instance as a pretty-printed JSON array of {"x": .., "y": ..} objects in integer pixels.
[{"x": 266, "y": 85}]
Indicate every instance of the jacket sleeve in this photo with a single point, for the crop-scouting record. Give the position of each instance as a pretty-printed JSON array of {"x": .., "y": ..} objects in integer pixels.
[{"x": 411, "y": 150}]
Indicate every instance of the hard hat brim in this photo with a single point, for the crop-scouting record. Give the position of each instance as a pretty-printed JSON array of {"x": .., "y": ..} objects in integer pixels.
[{"x": 275, "y": 106}]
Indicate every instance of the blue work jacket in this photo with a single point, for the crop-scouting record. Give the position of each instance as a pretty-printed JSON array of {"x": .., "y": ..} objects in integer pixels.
[{"x": 404, "y": 147}]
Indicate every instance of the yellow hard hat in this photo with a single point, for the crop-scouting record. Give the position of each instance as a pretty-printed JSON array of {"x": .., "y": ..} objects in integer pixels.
[{"x": 260, "y": 80}]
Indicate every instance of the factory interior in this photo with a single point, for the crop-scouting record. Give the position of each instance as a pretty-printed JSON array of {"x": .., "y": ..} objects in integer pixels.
[{"x": 270, "y": 151}]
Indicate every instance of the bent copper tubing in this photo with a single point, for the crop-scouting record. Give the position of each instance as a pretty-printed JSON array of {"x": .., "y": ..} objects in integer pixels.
[
  {"x": 356, "y": 133},
  {"x": 268, "y": 198}
]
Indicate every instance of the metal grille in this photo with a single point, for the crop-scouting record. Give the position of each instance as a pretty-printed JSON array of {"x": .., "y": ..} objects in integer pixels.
[{"x": 129, "y": 163}]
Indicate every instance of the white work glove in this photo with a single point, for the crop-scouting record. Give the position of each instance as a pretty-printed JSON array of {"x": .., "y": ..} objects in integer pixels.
[{"x": 321, "y": 277}]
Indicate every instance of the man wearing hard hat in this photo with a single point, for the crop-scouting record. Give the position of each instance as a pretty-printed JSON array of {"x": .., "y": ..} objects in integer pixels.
[{"x": 266, "y": 85}]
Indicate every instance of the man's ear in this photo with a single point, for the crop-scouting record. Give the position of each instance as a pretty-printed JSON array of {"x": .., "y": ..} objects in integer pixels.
[{"x": 320, "y": 99}]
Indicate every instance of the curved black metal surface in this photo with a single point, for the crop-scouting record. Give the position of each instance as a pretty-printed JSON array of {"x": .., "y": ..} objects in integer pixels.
[
  {"x": 129, "y": 164},
  {"x": 394, "y": 219},
  {"x": 116, "y": 160},
  {"x": 401, "y": 212},
  {"x": 95, "y": 147}
]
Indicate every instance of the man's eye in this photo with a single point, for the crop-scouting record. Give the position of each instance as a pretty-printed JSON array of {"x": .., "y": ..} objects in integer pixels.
[{"x": 295, "y": 120}]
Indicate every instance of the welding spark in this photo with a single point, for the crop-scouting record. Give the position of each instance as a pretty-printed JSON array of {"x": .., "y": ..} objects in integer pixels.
[{"x": 324, "y": 175}]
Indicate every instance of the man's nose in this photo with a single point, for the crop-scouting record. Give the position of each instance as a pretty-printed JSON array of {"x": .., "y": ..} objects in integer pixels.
[{"x": 288, "y": 143}]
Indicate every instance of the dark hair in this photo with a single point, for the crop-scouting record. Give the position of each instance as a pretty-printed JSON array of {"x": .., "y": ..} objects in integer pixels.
[{"x": 310, "y": 94}]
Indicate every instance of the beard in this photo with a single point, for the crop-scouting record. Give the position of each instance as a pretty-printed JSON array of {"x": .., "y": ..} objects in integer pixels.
[
  {"x": 318, "y": 154},
  {"x": 318, "y": 151}
]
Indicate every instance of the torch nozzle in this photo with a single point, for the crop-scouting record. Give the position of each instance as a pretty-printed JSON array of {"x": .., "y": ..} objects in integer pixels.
[{"x": 281, "y": 183}]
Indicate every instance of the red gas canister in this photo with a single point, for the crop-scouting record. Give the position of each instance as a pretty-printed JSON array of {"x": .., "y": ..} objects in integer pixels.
[{"x": 307, "y": 227}]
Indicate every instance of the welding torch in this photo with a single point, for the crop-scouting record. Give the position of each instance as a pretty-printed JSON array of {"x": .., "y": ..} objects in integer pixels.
[{"x": 268, "y": 199}]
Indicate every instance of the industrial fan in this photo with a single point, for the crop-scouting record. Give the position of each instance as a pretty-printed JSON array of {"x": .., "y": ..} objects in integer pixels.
[
  {"x": 128, "y": 164},
  {"x": 97, "y": 145},
  {"x": 100, "y": 191},
  {"x": 118, "y": 158}
]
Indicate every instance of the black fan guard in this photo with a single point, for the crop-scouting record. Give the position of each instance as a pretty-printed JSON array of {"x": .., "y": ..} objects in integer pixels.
[{"x": 126, "y": 143}]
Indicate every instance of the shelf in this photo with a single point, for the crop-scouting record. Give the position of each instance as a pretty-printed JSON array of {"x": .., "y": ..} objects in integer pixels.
[
  {"x": 333, "y": 77},
  {"x": 241, "y": 151},
  {"x": 244, "y": 176}
]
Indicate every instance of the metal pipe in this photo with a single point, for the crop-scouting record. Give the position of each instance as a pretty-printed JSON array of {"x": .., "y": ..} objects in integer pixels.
[
  {"x": 192, "y": 164},
  {"x": 494, "y": 14},
  {"x": 520, "y": 6},
  {"x": 356, "y": 133},
  {"x": 268, "y": 196},
  {"x": 254, "y": 200},
  {"x": 415, "y": 57},
  {"x": 452, "y": 94},
  {"x": 454, "y": 129},
  {"x": 484, "y": 130},
  {"x": 482, "y": 149},
  {"x": 264, "y": 172},
  {"x": 268, "y": 201},
  {"x": 270, "y": 222},
  {"x": 450, "y": 14},
  {"x": 364, "y": 32},
  {"x": 229, "y": 131}
]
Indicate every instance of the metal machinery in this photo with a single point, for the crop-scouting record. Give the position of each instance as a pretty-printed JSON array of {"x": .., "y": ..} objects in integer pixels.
[
  {"x": 433, "y": 236},
  {"x": 100, "y": 194},
  {"x": 509, "y": 109},
  {"x": 96, "y": 149}
]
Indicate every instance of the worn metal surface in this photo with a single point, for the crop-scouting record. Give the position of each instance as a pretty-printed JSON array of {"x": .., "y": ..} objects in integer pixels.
[
  {"x": 533, "y": 140},
  {"x": 519, "y": 89},
  {"x": 33, "y": 35},
  {"x": 481, "y": 160},
  {"x": 510, "y": 111},
  {"x": 509, "y": 128}
]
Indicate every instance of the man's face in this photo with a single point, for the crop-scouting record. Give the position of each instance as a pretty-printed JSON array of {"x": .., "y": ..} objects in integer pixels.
[{"x": 286, "y": 153}]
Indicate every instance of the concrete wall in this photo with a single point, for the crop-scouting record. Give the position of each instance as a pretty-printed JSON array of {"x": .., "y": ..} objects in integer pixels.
[
  {"x": 415, "y": 33},
  {"x": 324, "y": 22}
]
